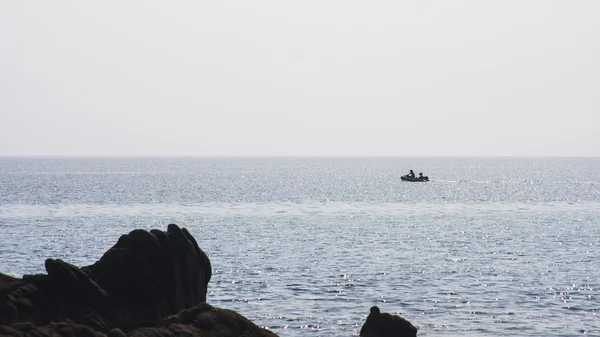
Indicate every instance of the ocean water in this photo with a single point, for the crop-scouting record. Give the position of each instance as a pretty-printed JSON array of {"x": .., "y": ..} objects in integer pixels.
[{"x": 305, "y": 246}]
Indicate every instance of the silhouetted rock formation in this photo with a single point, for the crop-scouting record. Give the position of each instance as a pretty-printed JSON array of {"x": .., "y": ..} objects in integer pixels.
[
  {"x": 385, "y": 325},
  {"x": 201, "y": 321},
  {"x": 149, "y": 284},
  {"x": 143, "y": 278}
]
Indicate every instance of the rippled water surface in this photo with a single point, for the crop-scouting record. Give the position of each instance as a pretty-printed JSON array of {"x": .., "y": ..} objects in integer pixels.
[{"x": 304, "y": 246}]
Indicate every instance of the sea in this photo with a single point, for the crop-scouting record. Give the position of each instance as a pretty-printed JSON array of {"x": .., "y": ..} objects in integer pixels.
[{"x": 305, "y": 246}]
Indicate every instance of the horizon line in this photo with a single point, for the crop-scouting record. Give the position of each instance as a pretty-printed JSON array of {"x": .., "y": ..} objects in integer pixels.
[{"x": 279, "y": 156}]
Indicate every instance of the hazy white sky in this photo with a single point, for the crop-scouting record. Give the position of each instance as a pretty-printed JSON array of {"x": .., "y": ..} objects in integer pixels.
[{"x": 310, "y": 77}]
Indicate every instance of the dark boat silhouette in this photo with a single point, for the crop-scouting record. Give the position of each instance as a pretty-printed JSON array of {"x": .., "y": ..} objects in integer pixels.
[{"x": 407, "y": 178}]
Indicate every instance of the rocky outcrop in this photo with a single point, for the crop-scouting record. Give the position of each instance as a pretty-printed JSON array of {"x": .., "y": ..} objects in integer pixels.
[
  {"x": 143, "y": 278},
  {"x": 385, "y": 325},
  {"x": 201, "y": 321},
  {"x": 149, "y": 284}
]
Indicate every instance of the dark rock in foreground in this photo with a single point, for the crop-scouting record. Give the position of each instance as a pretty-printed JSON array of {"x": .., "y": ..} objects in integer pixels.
[
  {"x": 200, "y": 321},
  {"x": 143, "y": 278},
  {"x": 385, "y": 325}
]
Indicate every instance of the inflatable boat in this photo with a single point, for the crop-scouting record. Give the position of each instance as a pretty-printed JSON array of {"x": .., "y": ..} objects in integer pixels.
[{"x": 407, "y": 178}]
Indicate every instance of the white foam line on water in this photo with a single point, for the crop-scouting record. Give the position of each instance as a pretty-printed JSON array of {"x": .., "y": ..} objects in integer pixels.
[{"x": 278, "y": 209}]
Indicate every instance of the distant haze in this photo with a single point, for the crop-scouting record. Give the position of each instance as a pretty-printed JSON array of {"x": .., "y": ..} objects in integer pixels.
[{"x": 312, "y": 77}]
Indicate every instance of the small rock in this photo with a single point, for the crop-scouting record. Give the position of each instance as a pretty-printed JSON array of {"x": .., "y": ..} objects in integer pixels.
[{"x": 385, "y": 325}]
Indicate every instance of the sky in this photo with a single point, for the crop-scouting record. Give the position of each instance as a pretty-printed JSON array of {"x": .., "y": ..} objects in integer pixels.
[{"x": 300, "y": 78}]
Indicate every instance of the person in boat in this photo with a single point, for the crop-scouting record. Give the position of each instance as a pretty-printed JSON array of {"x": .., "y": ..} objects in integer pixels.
[
  {"x": 411, "y": 174},
  {"x": 421, "y": 176}
]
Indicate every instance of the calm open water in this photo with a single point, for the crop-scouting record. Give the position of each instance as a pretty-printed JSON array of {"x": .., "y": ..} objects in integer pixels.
[{"x": 305, "y": 246}]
